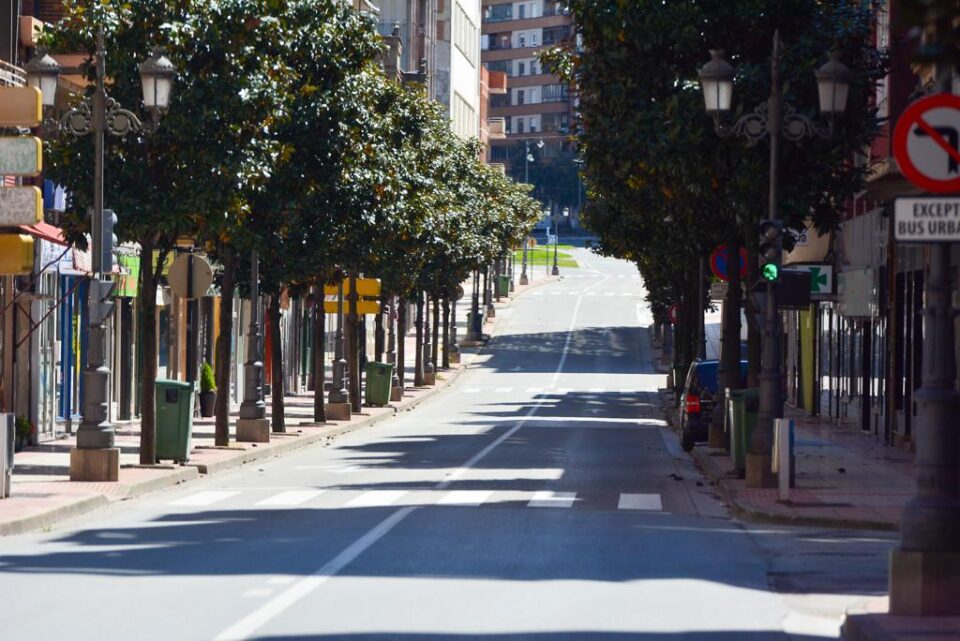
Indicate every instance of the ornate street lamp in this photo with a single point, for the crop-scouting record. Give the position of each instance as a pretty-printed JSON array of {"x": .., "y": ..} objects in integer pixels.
[
  {"x": 95, "y": 458},
  {"x": 43, "y": 72},
  {"x": 771, "y": 119}
]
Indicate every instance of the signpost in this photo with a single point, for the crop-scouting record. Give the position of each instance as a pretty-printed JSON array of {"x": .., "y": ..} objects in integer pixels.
[
  {"x": 673, "y": 313},
  {"x": 190, "y": 276},
  {"x": 719, "y": 261},
  {"x": 926, "y": 143},
  {"x": 926, "y": 219},
  {"x": 20, "y": 206}
]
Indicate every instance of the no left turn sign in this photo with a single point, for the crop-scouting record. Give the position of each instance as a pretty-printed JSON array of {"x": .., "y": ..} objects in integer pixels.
[{"x": 926, "y": 143}]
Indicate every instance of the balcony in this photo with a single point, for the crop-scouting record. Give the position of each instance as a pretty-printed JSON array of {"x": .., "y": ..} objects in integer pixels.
[
  {"x": 524, "y": 23},
  {"x": 497, "y": 128},
  {"x": 12, "y": 76}
]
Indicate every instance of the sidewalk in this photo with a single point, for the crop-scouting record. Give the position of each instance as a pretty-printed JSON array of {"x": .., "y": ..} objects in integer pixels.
[{"x": 43, "y": 495}]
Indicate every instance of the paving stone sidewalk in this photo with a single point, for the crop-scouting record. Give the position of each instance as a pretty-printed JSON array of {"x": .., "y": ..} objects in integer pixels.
[{"x": 43, "y": 495}]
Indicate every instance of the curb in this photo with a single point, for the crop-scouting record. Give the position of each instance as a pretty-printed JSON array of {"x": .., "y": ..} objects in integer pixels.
[{"x": 748, "y": 512}]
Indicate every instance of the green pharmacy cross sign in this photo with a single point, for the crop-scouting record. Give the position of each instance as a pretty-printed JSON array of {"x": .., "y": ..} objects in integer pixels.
[{"x": 821, "y": 277}]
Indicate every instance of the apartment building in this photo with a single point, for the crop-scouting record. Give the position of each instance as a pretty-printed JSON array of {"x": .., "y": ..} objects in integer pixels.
[
  {"x": 441, "y": 38},
  {"x": 537, "y": 105}
]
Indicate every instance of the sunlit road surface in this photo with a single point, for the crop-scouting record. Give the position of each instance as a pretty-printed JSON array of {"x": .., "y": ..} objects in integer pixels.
[{"x": 539, "y": 497}]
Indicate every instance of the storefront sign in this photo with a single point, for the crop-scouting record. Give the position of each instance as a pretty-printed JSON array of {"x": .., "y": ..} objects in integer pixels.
[
  {"x": 20, "y": 206},
  {"x": 821, "y": 278},
  {"x": 16, "y": 254},
  {"x": 20, "y": 156},
  {"x": 926, "y": 219},
  {"x": 20, "y": 107}
]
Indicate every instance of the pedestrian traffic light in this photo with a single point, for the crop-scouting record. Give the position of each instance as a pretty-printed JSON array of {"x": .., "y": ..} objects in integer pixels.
[
  {"x": 107, "y": 241},
  {"x": 771, "y": 250}
]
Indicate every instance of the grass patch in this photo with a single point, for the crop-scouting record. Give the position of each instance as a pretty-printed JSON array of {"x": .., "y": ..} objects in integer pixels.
[{"x": 544, "y": 256}]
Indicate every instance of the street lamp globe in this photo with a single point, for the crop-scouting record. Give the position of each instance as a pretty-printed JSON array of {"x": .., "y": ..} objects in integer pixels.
[
  {"x": 833, "y": 83},
  {"x": 716, "y": 80},
  {"x": 43, "y": 72},
  {"x": 157, "y": 74}
]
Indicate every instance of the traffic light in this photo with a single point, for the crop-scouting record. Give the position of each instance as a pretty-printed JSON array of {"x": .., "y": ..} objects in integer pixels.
[
  {"x": 107, "y": 241},
  {"x": 771, "y": 250}
]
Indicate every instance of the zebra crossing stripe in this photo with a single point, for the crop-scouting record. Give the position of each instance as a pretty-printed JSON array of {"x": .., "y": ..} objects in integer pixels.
[
  {"x": 547, "y": 498},
  {"x": 200, "y": 499},
  {"x": 290, "y": 497},
  {"x": 648, "y": 502},
  {"x": 465, "y": 497},
  {"x": 376, "y": 498}
]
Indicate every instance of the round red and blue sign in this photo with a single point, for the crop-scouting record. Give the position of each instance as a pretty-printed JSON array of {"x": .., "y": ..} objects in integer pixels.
[{"x": 719, "y": 260}]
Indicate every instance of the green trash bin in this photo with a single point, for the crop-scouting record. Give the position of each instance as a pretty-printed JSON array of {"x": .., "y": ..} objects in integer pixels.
[
  {"x": 742, "y": 406},
  {"x": 174, "y": 419},
  {"x": 379, "y": 382},
  {"x": 503, "y": 285}
]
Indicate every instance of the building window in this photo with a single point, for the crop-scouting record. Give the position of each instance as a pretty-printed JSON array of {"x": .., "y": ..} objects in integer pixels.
[
  {"x": 520, "y": 125},
  {"x": 532, "y": 96},
  {"x": 555, "y": 35},
  {"x": 521, "y": 40},
  {"x": 466, "y": 36},
  {"x": 555, "y": 122},
  {"x": 521, "y": 68},
  {"x": 521, "y": 11},
  {"x": 554, "y": 93},
  {"x": 499, "y": 13},
  {"x": 498, "y": 65},
  {"x": 520, "y": 96},
  {"x": 533, "y": 38}
]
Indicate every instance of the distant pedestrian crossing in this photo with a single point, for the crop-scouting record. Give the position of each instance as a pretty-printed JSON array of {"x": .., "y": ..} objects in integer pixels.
[
  {"x": 547, "y": 390},
  {"x": 554, "y": 293},
  {"x": 274, "y": 498}
]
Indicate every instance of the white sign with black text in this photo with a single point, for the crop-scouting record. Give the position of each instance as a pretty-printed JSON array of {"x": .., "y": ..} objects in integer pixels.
[{"x": 927, "y": 219}]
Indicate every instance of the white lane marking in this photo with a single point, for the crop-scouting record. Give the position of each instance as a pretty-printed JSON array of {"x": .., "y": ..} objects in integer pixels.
[
  {"x": 534, "y": 390},
  {"x": 640, "y": 502},
  {"x": 246, "y": 626},
  {"x": 465, "y": 497},
  {"x": 472, "y": 390},
  {"x": 200, "y": 499},
  {"x": 333, "y": 469},
  {"x": 552, "y": 499},
  {"x": 376, "y": 498},
  {"x": 591, "y": 293},
  {"x": 596, "y": 390},
  {"x": 254, "y": 593},
  {"x": 610, "y": 293},
  {"x": 564, "y": 390},
  {"x": 503, "y": 390},
  {"x": 555, "y": 293},
  {"x": 243, "y": 628},
  {"x": 626, "y": 294},
  {"x": 290, "y": 497}
]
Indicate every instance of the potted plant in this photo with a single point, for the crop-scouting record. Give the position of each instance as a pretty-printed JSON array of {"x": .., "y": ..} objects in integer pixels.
[
  {"x": 208, "y": 390},
  {"x": 24, "y": 430}
]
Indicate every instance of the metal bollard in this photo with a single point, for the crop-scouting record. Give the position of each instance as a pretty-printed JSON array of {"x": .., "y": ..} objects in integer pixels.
[
  {"x": 7, "y": 435},
  {"x": 782, "y": 462}
]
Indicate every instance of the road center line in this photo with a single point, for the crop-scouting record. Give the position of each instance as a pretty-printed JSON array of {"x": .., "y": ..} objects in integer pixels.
[{"x": 246, "y": 626}]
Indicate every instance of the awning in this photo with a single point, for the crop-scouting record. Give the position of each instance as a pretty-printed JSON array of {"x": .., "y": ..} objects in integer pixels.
[{"x": 46, "y": 231}]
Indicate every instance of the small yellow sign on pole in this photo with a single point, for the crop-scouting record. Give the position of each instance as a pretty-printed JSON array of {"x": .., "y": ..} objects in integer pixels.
[
  {"x": 20, "y": 107},
  {"x": 365, "y": 287},
  {"x": 363, "y": 306}
]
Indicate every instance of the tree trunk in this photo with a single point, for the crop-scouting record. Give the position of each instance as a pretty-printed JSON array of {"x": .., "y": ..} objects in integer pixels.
[
  {"x": 224, "y": 351},
  {"x": 446, "y": 333},
  {"x": 276, "y": 366},
  {"x": 379, "y": 335},
  {"x": 401, "y": 346},
  {"x": 353, "y": 345},
  {"x": 418, "y": 355},
  {"x": 319, "y": 353},
  {"x": 148, "y": 310},
  {"x": 435, "y": 351}
]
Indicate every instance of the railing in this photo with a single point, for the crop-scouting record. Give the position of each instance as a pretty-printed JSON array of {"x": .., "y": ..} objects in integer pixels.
[
  {"x": 11, "y": 75},
  {"x": 497, "y": 127}
]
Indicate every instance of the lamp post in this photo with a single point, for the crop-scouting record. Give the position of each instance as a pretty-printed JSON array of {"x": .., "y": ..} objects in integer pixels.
[
  {"x": 527, "y": 159},
  {"x": 556, "y": 241},
  {"x": 252, "y": 424},
  {"x": 772, "y": 119},
  {"x": 95, "y": 458}
]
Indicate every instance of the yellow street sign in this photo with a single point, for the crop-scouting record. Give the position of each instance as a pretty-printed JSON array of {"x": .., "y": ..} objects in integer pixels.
[
  {"x": 20, "y": 206},
  {"x": 20, "y": 107},
  {"x": 363, "y": 306},
  {"x": 21, "y": 156},
  {"x": 16, "y": 254},
  {"x": 365, "y": 286}
]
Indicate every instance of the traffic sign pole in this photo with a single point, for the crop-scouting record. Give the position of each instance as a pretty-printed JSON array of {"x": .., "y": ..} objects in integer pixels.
[{"x": 925, "y": 568}]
